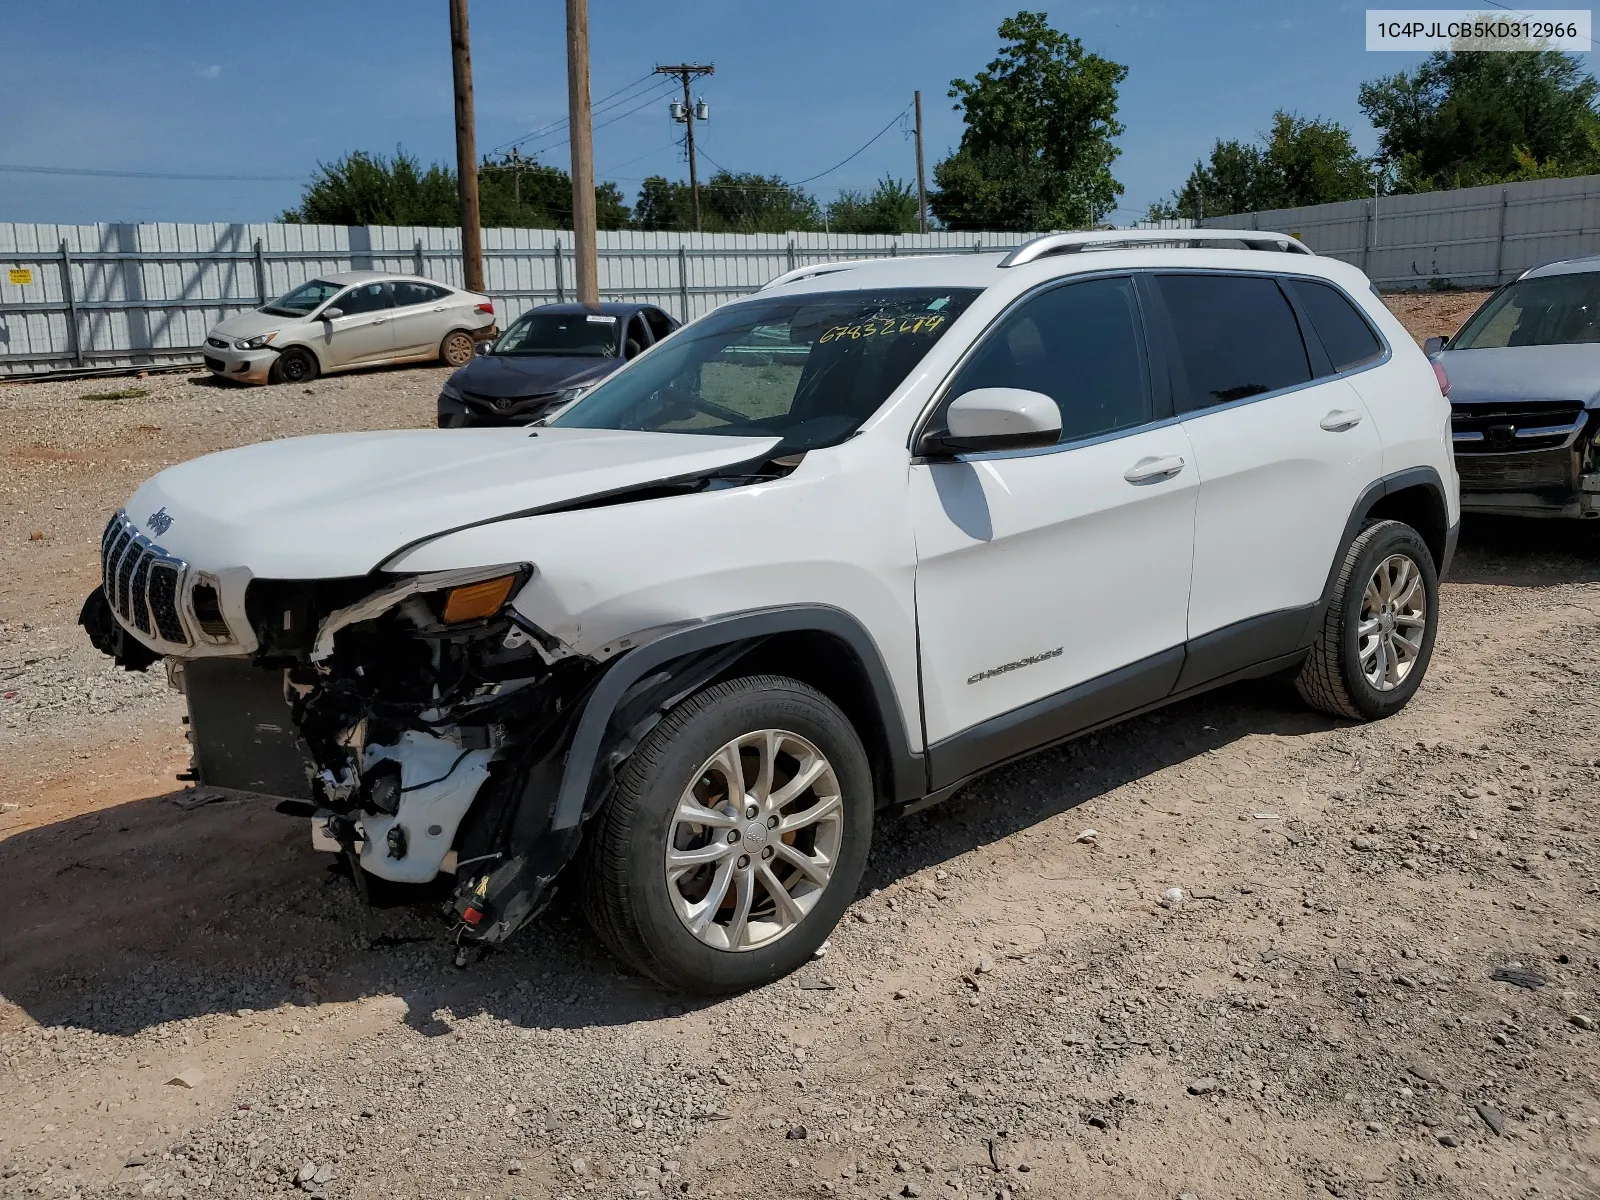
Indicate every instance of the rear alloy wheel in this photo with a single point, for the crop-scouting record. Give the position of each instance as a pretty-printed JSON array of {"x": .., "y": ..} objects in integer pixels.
[
  {"x": 294, "y": 365},
  {"x": 734, "y": 839},
  {"x": 1377, "y": 635},
  {"x": 456, "y": 349}
]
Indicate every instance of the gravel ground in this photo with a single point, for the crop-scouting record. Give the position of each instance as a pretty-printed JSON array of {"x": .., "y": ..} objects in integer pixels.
[{"x": 1379, "y": 976}]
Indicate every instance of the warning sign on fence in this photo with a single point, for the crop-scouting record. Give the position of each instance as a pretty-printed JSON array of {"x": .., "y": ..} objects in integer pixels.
[{"x": 21, "y": 276}]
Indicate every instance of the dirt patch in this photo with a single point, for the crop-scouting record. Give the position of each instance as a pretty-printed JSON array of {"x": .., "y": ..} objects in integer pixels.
[{"x": 1434, "y": 314}]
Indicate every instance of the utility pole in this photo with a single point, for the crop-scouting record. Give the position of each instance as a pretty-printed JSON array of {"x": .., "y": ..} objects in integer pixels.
[
  {"x": 922, "y": 186},
  {"x": 687, "y": 72},
  {"x": 466, "y": 150},
  {"x": 516, "y": 176},
  {"x": 584, "y": 252}
]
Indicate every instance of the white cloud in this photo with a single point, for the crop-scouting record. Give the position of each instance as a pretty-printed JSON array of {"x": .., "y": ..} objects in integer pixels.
[{"x": 211, "y": 72}]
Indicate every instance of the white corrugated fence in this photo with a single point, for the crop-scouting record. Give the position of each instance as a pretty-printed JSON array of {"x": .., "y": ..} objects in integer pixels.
[
  {"x": 1470, "y": 237},
  {"x": 75, "y": 297}
]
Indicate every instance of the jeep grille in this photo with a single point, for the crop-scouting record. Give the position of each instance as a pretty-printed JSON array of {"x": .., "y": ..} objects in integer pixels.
[{"x": 142, "y": 581}]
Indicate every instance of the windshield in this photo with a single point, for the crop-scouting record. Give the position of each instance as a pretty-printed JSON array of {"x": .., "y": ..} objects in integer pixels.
[
  {"x": 303, "y": 299},
  {"x": 809, "y": 369},
  {"x": 569, "y": 335},
  {"x": 1554, "y": 311}
]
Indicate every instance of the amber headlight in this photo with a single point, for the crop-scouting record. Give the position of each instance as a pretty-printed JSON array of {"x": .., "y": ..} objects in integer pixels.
[{"x": 475, "y": 601}]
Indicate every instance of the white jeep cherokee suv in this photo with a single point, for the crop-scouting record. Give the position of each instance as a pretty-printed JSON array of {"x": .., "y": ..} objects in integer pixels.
[{"x": 832, "y": 550}]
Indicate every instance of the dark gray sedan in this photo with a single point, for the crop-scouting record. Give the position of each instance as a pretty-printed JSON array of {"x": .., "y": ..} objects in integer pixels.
[
  {"x": 547, "y": 358},
  {"x": 1524, "y": 388}
]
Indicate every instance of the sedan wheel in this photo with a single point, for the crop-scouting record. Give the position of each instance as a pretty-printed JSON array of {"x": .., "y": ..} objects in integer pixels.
[{"x": 456, "y": 349}]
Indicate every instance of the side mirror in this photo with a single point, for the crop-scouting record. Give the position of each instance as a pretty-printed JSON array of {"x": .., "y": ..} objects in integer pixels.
[
  {"x": 329, "y": 314},
  {"x": 997, "y": 419},
  {"x": 479, "y": 349},
  {"x": 1433, "y": 345}
]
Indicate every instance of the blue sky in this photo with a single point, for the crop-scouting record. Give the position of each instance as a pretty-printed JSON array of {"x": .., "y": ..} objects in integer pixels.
[{"x": 270, "y": 89}]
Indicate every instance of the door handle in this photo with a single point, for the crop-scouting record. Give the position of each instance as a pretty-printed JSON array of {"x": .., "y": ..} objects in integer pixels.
[
  {"x": 1341, "y": 419},
  {"x": 438, "y": 308},
  {"x": 379, "y": 320},
  {"x": 1148, "y": 470}
]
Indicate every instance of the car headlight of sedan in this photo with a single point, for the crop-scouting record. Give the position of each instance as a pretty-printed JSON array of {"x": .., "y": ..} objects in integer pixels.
[
  {"x": 255, "y": 343},
  {"x": 572, "y": 393},
  {"x": 449, "y": 391}
]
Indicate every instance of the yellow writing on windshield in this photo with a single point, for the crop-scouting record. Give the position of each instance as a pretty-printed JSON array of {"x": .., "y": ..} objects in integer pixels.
[{"x": 883, "y": 327}]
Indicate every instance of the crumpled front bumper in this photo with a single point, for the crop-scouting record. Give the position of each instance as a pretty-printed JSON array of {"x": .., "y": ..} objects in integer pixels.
[{"x": 241, "y": 366}]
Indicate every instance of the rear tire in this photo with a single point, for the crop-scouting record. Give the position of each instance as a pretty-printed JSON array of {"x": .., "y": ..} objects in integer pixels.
[
  {"x": 711, "y": 921},
  {"x": 456, "y": 349},
  {"x": 1377, "y": 636},
  {"x": 294, "y": 365}
]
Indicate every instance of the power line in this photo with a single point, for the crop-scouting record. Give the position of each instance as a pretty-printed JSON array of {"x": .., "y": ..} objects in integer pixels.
[
  {"x": 846, "y": 159},
  {"x": 645, "y": 103},
  {"x": 599, "y": 106},
  {"x": 18, "y": 168}
]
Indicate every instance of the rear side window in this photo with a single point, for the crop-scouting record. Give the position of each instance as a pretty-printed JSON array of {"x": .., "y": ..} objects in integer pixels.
[
  {"x": 1237, "y": 337},
  {"x": 1344, "y": 332},
  {"x": 408, "y": 292},
  {"x": 1082, "y": 345},
  {"x": 369, "y": 297}
]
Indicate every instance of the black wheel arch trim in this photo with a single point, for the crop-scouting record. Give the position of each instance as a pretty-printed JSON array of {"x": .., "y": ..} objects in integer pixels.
[
  {"x": 1426, "y": 477},
  {"x": 909, "y": 772}
]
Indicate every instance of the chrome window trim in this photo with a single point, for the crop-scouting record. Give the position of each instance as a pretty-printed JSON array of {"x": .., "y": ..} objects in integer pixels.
[{"x": 919, "y": 427}]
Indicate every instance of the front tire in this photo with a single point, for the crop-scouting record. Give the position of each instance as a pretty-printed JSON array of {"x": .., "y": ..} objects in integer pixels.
[
  {"x": 735, "y": 838},
  {"x": 1377, "y": 636},
  {"x": 294, "y": 365},
  {"x": 456, "y": 349}
]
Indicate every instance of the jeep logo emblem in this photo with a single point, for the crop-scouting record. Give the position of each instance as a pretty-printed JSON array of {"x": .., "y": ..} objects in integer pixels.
[{"x": 159, "y": 521}]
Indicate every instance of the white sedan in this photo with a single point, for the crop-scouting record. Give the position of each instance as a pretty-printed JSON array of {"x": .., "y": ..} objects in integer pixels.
[{"x": 351, "y": 319}]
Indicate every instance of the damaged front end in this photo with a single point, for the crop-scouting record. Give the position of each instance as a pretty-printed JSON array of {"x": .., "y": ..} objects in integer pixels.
[{"x": 427, "y": 719}]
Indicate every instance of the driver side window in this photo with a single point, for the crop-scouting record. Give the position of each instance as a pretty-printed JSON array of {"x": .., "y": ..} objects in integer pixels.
[{"x": 1081, "y": 344}]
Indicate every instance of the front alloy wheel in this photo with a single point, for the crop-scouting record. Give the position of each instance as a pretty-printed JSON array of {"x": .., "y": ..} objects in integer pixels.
[
  {"x": 734, "y": 838},
  {"x": 754, "y": 840}
]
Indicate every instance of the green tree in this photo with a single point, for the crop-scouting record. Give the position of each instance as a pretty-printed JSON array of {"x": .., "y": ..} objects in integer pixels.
[
  {"x": 744, "y": 202},
  {"x": 1464, "y": 119},
  {"x": 1038, "y": 145},
  {"x": 891, "y": 207},
  {"x": 369, "y": 189},
  {"x": 546, "y": 197},
  {"x": 729, "y": 203},
  {"x": 663, "y": 204},
  {"x": 1303, "y": 160}
]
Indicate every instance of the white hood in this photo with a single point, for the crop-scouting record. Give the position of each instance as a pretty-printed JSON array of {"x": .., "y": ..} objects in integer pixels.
[{"x": 341, "y": 504}]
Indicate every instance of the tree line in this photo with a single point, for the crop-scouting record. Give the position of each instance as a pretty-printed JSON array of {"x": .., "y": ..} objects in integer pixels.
[
  {"x": 370, "y": 189},
  {"x": 1037, "y": 149}
]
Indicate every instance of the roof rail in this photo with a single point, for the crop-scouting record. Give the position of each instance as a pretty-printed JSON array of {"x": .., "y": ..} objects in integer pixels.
[
  {"x": 1098, "y": 239},
  {"x": 811, "y": 272}
]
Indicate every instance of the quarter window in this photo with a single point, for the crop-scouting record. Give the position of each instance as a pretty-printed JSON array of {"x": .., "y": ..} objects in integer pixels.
[
  {"x": 408, "y": 292},
  {"x": 1343, "y": 331},
  {"x": 1083, "y": 346},
  {"x": 1237, "y": 337}
]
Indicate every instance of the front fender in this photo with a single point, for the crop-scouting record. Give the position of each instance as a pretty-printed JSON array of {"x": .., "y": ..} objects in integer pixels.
[{"x": 594, "y": 724}]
